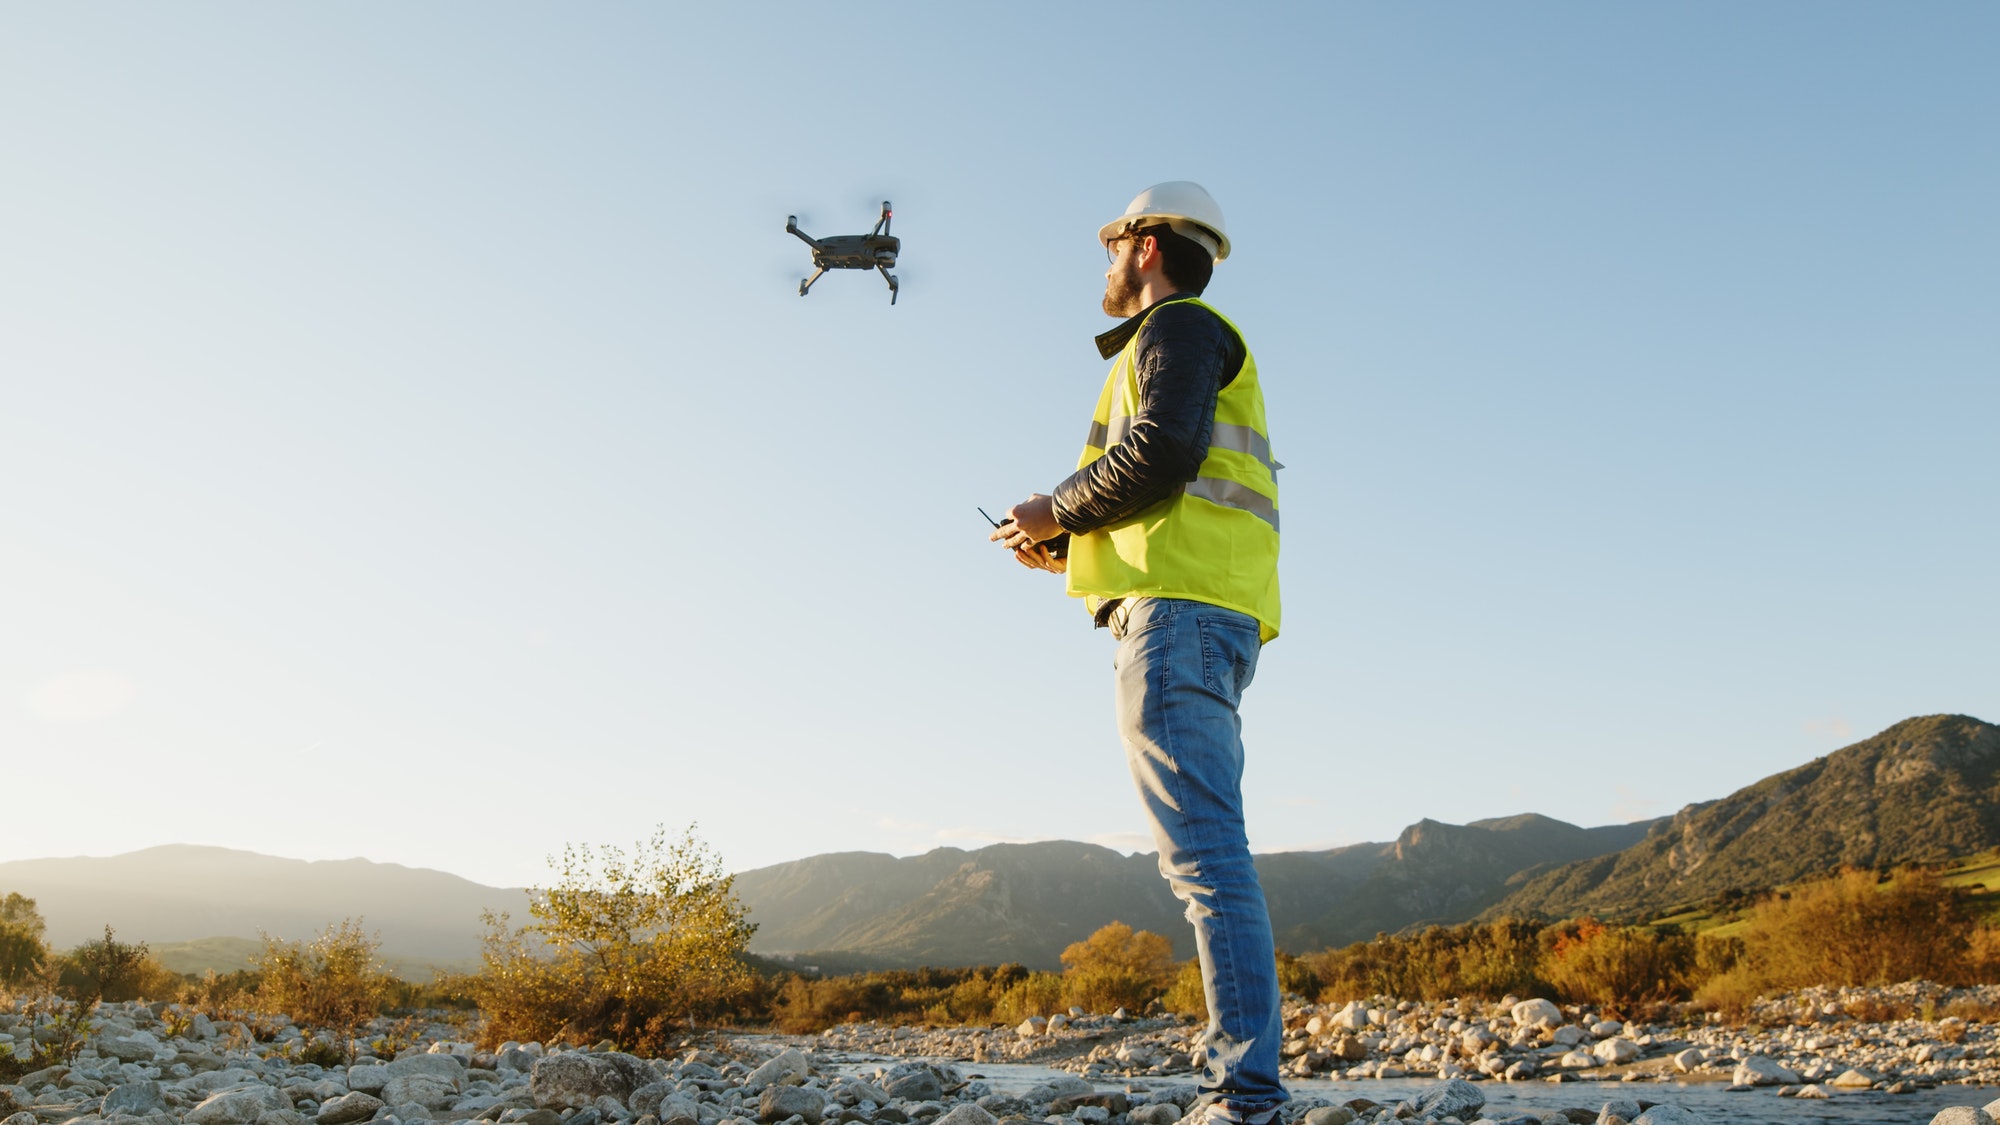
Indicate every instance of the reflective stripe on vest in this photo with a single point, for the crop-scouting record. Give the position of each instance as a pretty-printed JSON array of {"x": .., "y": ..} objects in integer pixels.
[{"x": 1213, "y": 540}]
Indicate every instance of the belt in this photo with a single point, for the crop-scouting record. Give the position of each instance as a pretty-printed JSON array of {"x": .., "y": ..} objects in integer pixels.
[{"x": 1114, "y": 615}]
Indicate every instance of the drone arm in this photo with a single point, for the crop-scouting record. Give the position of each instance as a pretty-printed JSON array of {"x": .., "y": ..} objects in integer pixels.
[
  {"x": 892, "y": 282},
  {"x": 792, "y": 227},
  {"x": 808, "y": 282},
  {"x": 882, "y": 224}
]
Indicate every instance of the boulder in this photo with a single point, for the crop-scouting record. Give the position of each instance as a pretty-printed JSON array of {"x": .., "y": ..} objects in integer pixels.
[
  {"x": 1690, "y": 1060},
  {"x": 1668, "y": 1115},
  {"x": 139, "y": 1047},
  {"x": 1061, "y": 1085},
  {"x": 1166, "y": 1113},
  {"x": 135, "y": 1099},
  {"x": 1757, "y": 1070},
  {"x": 1618, "y": 1051},
  {"x": 1962, "y": 1115},
  {"x": 788, "y": 1067},
  {"x": 1855, "y": 1078},
  {"x": 22, "y": 1118},
  {"x": 348, "y": 1108},
  {"x": 574, "y": 1079},
  {"x": 1568, "y": 1035},
  {"x": 1031, "y": 1027},
  {"x": 1624, "y": 1109},
  {"x": 368, "y": 1079},
  {"x": 967, "y": 1114},
  {"x": 1537, "y": 1013},
  {"x": 920, "y": 1084},
  {"x": 238, "y": 1105},
  {"x": 445, "y": 1068},
  {"x": 1330, "y": 1115},
  {"x": 427, "y": 1090},
  {"x": 1453, "y": 1097},
  {"x": 781, "y": 1101}
]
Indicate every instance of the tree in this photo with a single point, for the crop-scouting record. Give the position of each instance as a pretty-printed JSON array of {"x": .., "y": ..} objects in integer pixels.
[
  {"x": 110, "y": 970},
  {"x": 23, "y": 950},
  {"x": 623, "y": 947},
  {"x": 1117, "y": 967}
]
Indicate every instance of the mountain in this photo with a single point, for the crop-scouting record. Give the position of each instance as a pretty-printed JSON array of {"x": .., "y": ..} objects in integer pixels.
[
  {"x": 1924, "y": 790},
  {"x": 182, "y": 892},
  {"x": 1026, "y": 902}
]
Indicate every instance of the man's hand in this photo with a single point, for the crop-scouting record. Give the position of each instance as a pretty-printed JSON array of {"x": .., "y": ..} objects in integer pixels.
[
  {"x": 1033, "y": 519},
  {"x": 1026, "y": 526}
]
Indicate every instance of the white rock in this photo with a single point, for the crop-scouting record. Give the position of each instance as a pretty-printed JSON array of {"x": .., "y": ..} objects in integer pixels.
[
  {"x": 1962, "y": 1115},
  {"x": 1031, "y": 1027},
  {"x": 1760, "y": 1071},
  {"x": 1616, "y": 1051},
  {"x": 1857, "y": 1079},
  {"x": 1537, "y": 1013}
]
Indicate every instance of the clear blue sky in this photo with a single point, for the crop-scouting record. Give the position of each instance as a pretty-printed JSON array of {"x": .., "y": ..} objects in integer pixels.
[{"x": 415, "y": 447}]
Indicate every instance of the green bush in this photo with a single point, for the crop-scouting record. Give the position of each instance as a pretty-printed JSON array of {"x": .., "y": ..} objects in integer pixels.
[
  {"x": 335, "y": 981},
  {"x": 23, "y": 951},
  {"x": 109, "y": 969},
  {"x": 621, "y": 947}
]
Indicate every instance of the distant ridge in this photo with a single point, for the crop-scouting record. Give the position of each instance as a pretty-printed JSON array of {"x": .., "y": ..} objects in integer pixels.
[
  {"x": 1924, "y": 790},
  {"x": 1026, "y": 902},
  {"x": 181, "y": 893}
]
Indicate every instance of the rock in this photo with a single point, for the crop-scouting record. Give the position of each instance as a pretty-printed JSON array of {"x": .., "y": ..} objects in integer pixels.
[
  {"x": 1668, "y": 1115},
  {"x": 1624, "y": 1109},
  {"x": 1454, "y": 1097},
  {"x": 781, "y": 1101},
  {"x": 238, "y": 1105},
  {"x": 1605, "y": 1029},
  {"x": 1519, "y": 1071},
  {"x": 1813, "y": 1090},
  {"x": 1858, "y": 1079},
  {"x": 367, "y": 1079},
  {"x": 135, "y": 1099},
  {"x": 1111, "y": 1103},
  {"x": 1961, "y": 1115},
  {"x": 348, "y": 1108},
  {"x": 140, "y": 1047},
  {"x": 788, "y": 1067},
  {"x": 1166, "y": 1113},
  {"x": 967, "y": 1114},
  {"x": 1353, "y": 1017},
  {"x": 22, "y": 1118},
  {"x": 427, "y": 1090},
  {"x": 919, "y": 1085},
  {"x": 1618, "y": 1051},
  {"x": 1329, "y": 1115},
  {"x": 574, "y": 1079},
  {"x": 1992, "y": 1108},
  {"x": 1689, "y": 1061},
  {"x": 1760, "y": 1071},
  {"x": 1537, "y": 1013},
  {"x": 445, "y": 1068},
  {"x": 1031, "y": 1027},
  {"x": 1060, "y": 1086},
  {"x": 539, "y": 1117}
]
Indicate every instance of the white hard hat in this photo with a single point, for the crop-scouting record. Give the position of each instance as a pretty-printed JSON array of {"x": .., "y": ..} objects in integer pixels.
[{"x": 1183, "y": 205}]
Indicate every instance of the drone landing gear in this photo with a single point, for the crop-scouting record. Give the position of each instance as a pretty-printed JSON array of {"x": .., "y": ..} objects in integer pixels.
[
  {"x": 808, "y": 283},
  {"x": 891, "y": 279}
]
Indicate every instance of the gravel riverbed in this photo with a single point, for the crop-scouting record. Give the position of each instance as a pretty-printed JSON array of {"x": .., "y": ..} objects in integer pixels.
[{"x": 1520, "y": 1062}]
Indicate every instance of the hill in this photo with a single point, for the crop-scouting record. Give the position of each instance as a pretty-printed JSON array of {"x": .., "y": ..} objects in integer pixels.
[
  {"x": 182, "y": 893},
  {"x": 1026, "y": 902},
  {"x": 1926, "y": 790}
]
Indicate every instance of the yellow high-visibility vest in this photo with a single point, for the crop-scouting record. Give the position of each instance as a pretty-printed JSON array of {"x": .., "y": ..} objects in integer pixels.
[{"x": 1215, "y": 539}]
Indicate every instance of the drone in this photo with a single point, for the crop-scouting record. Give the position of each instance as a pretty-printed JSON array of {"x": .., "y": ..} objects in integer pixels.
[{"x": 875, "y": 250}]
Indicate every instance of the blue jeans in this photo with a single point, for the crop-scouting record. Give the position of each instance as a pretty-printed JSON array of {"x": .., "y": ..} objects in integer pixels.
[{"x": 1181, "y": 670}]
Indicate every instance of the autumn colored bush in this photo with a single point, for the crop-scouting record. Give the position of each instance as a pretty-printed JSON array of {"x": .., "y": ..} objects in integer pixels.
[{"x": 1117, "y": 967}]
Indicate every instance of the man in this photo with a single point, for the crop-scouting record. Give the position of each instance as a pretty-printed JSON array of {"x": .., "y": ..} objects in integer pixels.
[{"x": 1169, "y": 531}]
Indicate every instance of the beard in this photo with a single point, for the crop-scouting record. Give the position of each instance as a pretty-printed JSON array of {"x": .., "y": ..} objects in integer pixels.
[{"x": 1122, "y": 289}]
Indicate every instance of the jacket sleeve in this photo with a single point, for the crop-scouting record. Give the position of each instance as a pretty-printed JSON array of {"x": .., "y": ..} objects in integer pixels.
[{"x": 1184, "y": 356}]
